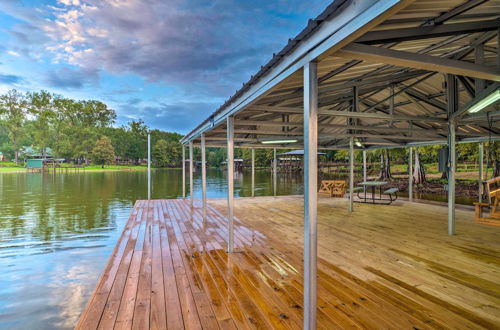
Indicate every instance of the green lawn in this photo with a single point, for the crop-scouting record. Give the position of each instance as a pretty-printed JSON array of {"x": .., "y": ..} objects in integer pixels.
[
  {"x": 10, "y": 167},
  {"x": 115, "y": 167}
]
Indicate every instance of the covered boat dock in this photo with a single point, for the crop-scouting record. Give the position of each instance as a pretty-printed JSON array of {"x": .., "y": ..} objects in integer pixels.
[{"x": 362, "y": 75}]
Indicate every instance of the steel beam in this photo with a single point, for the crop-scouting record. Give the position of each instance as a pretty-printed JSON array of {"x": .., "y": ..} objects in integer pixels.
[
  {"x": 410, "y": 175},
  {"x": 183, "y": 171},
  {"x": 479, "y": 96},
  {"x": 451, "y": 179},
  {"x": 351, "y": 173},
  {"x": 418, "y": 61},
  {"x": 479, "y": 59},
  {"x": 364, "y": 167},
  {"x": 373, "y": 115},
  {"x": 253, "y": 172},
  {"x": 463, "y": 7},
  {"x": 275, "y": 172},
  {"x": 384, "y": 129},
  {"x": 191, "y": 170},
  {"x": 310, "y": 193},
  {"x": 203, "y": 176},
  {"x": 427, "y": 32},
  {"x": 149, "y": 166},
  {"x": 498, "y": 48},
  {"x": 230, "y": 183},
  {"x": 481, "y": 170},
  {"x": 452, "y": 100}
]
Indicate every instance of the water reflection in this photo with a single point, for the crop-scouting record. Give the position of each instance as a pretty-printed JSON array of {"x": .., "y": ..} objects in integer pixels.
[{"x": 57, "y": 232}]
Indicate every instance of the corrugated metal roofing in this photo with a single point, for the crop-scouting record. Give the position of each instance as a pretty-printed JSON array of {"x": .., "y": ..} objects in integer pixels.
[{"x": 418, "y": 92}]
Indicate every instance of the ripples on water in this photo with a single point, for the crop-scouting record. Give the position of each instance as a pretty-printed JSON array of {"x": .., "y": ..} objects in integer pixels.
[{"x": 58, "y": 231}]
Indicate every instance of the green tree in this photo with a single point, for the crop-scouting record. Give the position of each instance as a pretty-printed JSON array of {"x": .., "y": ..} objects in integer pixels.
[
  {"x": 138, "y": 133},
  {"x": 160, "y": 156},
  {"x": 174, "y": 153},
  {"x": 41, "y": 107},
  {"x": 81, "y": 126},
  {"x": 13, "y": 109},
  {"x": 103, "y": 152}
]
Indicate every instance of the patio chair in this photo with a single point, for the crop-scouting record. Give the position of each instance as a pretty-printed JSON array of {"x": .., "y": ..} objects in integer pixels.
[
  {"x": 493, "y": 219},
  {"x": 339, "y": 188}
]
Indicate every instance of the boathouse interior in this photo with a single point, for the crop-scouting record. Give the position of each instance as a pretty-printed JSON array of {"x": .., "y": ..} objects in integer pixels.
[{"x": 362, "y": 75}]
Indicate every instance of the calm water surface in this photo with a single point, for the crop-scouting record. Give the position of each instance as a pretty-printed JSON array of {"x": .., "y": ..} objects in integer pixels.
[{"x": 58, "y": 231}]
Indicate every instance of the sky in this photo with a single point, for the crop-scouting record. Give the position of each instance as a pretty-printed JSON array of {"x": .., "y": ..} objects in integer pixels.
[{"x": 170, "y": 63}]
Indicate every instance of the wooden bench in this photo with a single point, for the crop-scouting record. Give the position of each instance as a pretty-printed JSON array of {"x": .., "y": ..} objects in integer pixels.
[
  {"x": 493, "y": 219},
  {"x": 491, "y": 188},
  {"x": 332, "y": 188}
]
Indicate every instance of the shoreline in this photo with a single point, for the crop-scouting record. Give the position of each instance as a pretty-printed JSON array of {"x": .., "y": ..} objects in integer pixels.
[{"x": 91, "y": 169}]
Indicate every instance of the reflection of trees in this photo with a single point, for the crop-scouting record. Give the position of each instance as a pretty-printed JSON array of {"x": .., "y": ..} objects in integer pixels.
[
  {"x": 12, "y": 224},
  {"x": 287, "y": 183},
  {"x": 50, "y": 206}
]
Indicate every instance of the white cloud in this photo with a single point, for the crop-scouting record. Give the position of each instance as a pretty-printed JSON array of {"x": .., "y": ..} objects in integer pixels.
[
  {"x": 13, "y": 53},
  {"x": 213, "y": 43}
]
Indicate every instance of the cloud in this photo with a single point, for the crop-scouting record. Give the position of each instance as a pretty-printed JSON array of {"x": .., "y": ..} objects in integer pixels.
[
  {"x": 69, "y": 78},
  {"x": 193, "y": 54},
  {"x": 10, "y": 79},
  {"x": 13, "y": 53},
  {"x": 214, "y": 43},
  {"x": 176, "y": 117}
]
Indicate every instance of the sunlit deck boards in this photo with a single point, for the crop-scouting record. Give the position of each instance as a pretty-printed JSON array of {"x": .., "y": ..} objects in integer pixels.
[{"x": 380, "y": 267}]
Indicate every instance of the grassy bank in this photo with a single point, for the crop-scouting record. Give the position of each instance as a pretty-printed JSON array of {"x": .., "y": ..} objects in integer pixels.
[
  {"x": 5, "y": 168},
  {"x": 11, "y": 169},
  {"x": 97, "y": 168}
]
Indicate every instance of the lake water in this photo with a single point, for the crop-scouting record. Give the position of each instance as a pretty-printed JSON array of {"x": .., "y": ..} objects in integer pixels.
[{"x": 57, "y": 232}]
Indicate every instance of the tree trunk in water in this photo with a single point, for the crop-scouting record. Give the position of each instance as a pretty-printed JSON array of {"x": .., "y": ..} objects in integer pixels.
[
  {"x": 418, "y": 171},
  {"x": 385, "y": 165},
  {"x": 444, "y": 176},
  {"x": 496, "y": 172}
]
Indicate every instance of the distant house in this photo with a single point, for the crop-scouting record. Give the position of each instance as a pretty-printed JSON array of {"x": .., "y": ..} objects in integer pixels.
[
  {"x": 42, "y": 163},
  {"x": 30, "y": 152},
  {"x": 238, "y": 164}
]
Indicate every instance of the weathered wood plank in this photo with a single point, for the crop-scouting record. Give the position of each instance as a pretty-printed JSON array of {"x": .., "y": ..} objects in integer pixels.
[
  {"x": 92, "y": 314},
  {"x": 377, "y": 267},
  {"x": 158, "y": 306},
  {"x": 142, "y": 307}
]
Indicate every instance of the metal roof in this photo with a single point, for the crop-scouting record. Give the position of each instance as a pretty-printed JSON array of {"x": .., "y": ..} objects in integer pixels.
[{"x": 395, "y": 56}]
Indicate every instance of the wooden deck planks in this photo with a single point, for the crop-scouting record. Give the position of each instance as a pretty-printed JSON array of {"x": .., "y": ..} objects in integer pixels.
[{"x": 380, "y": 267}]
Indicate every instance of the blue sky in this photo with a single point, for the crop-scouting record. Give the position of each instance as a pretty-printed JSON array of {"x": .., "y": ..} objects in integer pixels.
[{"x": 168, "y": 62}]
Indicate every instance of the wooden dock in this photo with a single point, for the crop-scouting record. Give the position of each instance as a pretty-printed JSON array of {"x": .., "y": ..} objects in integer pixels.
[{"x": 379, "y": 267}]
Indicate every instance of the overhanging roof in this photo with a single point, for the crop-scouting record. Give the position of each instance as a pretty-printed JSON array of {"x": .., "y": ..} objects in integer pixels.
[{"x": 394, "y": 56}]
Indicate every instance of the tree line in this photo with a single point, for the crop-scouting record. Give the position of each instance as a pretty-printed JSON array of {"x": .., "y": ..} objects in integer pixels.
[
  {"x": 80, "y": 130},
  {"x": 77, "y": 130}
]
